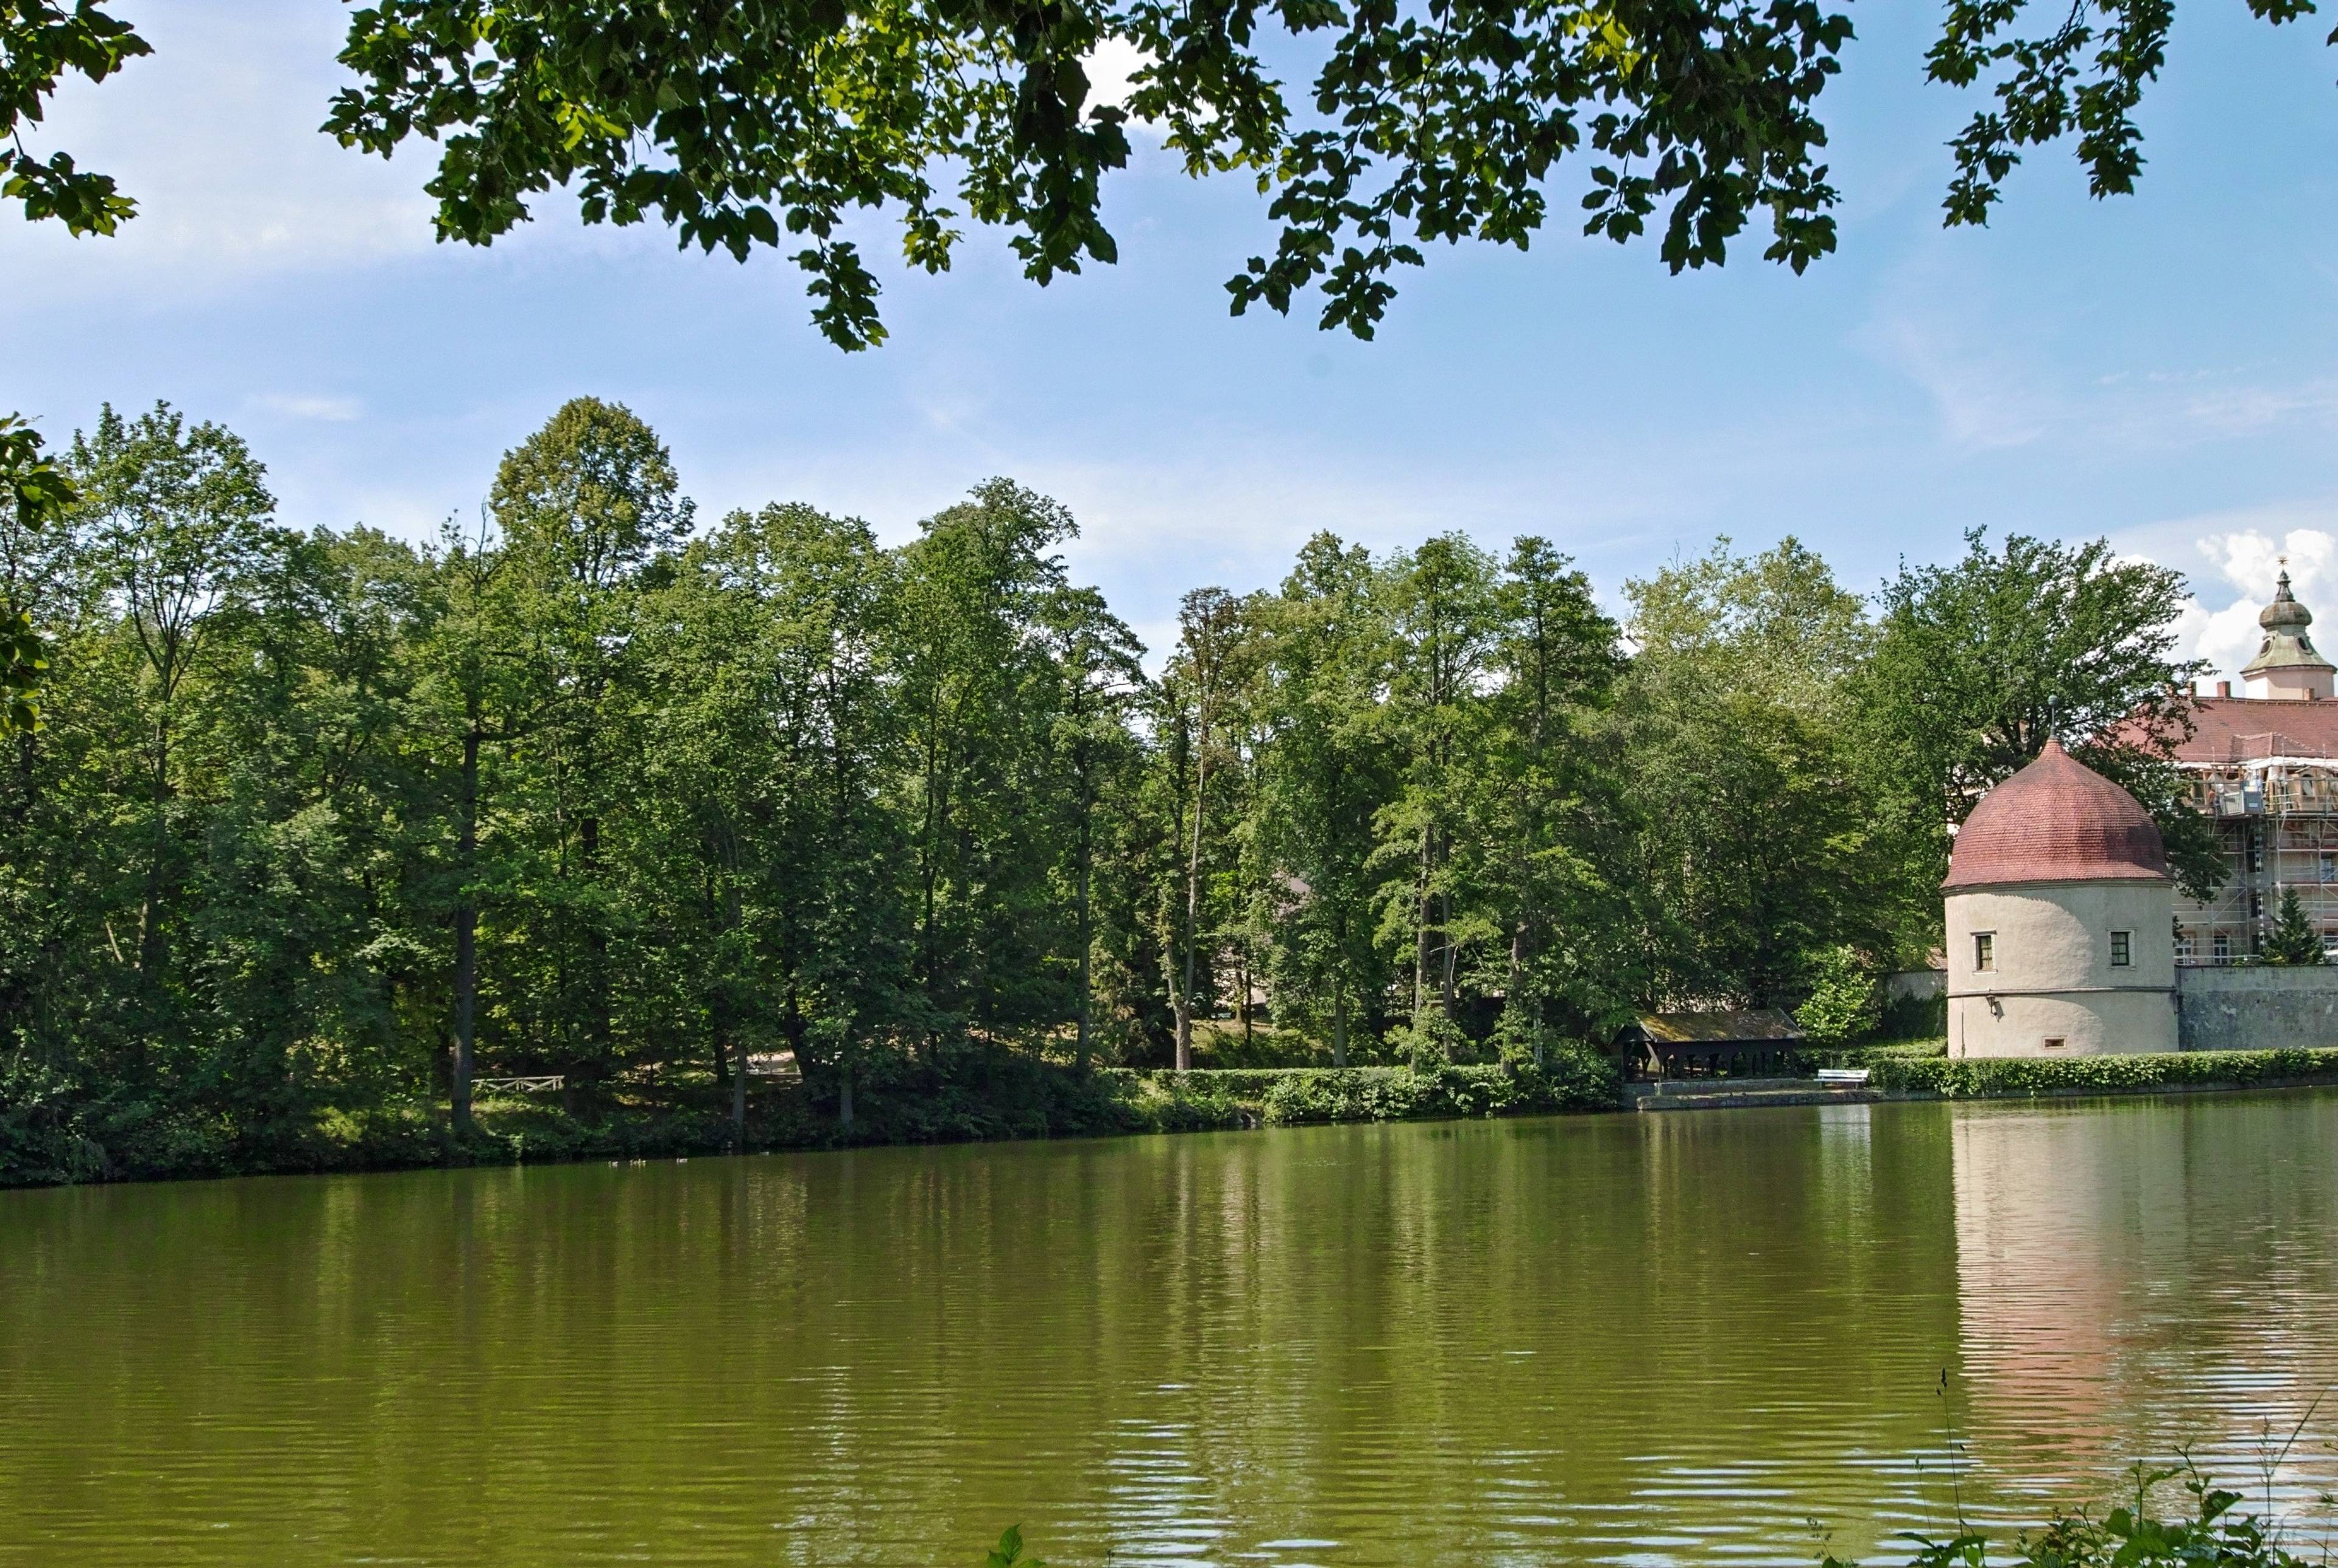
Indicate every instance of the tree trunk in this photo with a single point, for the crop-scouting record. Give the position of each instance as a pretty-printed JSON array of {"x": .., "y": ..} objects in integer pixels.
[
  {"x": 467, "y": 929},
  {"x": 718, "y": 1026},
  {"x": 1339, "y": 1024},
  {"x": 1087, "y": 942},
  {"x": 1241, "y": 984},
  {"x": 1421, "y": 935},
  {"x": 150, "y": 914},
  {"x": 596, "y": 947},
  {"x": 722, "y": 845},
  {"x": 1448, "y": 950},
  {"x": 1184, "y": 998},
  {"x": 929, "y": 848},
  {"x": 738, "y": 1096}
]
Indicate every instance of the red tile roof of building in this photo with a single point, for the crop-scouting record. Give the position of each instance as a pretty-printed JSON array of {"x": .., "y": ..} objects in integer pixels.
[
  {"x": 2239, "y": 728},
  {"x": 2057, "y": 821}
]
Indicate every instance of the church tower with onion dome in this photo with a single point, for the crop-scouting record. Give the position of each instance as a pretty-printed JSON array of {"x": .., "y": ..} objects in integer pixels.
[{"x": 2061, "y": 918}]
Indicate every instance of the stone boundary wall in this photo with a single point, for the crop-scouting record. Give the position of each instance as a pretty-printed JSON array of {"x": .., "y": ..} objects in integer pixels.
[
  {"x": 1915, "y": 985},
  {"x": 2261, "y": 1008}
]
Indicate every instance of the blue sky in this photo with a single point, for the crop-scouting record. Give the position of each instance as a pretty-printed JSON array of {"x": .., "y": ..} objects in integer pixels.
[{"x": 2158, "y": 368}]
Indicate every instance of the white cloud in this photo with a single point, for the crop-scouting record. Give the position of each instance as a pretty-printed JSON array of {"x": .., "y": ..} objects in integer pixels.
[
  {"x": 2243, "y": 552},
  {"x": 2249, "y": 561},
  {"x": 1110, "y": 67}
]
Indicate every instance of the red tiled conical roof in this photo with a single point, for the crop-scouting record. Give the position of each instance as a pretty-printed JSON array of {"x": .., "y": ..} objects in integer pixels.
[{"x": 2057, "y": 821}]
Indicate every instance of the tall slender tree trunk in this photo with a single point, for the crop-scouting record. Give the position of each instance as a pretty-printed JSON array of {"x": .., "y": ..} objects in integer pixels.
[
  {"x": 1184, "y": 998},
  {"x": 720, "y": 841},
  {"x": 1421, "y": 933},
  {"x": 739, "y": 1094},
  {"x": 718, "y": 1021},
  {"x": 587, "y": 1086},
  {"x": 1339, "y": 1024},
  {"x": 151, "y": 953},
  {"x": 1242, "y": 986},
  {"x": 929, "y": 849},
  {"x": 1087, "y": 935},
  {"x": 1449, "y": 952},
  {"x": 467, "y": 932}
]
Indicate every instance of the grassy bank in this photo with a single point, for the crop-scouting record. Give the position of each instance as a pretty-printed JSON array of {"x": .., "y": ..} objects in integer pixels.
[
  {"x": 969, "y": 1097},
  {"x": 977, "y": 1096}
]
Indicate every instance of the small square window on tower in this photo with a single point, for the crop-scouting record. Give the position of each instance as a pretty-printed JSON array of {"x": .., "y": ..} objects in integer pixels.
[
  {"x": 1984, "y": 949},
  {"x": 2122, "y": 949}
]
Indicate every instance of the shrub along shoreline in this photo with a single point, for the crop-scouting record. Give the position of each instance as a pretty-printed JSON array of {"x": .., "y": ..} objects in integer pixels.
[
  {"x": 974, "y": 1097},
  {"x": 1012, "y": 1098}
]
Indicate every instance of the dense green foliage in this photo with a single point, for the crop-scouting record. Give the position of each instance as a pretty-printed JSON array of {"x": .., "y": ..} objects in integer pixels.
[
  {"x": 35, "y": 494},
  {"x": 1844, "y": 1004},
  {"x": 1978, "y": 660},
  {"x": 747, "y": 125},
  {"x": 320, "y": 828}
]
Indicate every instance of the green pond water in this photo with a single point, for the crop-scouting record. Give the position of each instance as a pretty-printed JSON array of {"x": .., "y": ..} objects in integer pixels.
[{"x": 1645, "y": 1340}]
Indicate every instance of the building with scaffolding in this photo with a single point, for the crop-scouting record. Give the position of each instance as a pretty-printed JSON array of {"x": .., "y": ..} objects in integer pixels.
[{"x": 2264, "y": 767}]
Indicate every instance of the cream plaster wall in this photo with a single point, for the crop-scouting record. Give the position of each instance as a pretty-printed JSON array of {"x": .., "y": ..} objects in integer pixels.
[
  {"x": 2053, "y": 977},
  {"x": 2294, "y": 683}
]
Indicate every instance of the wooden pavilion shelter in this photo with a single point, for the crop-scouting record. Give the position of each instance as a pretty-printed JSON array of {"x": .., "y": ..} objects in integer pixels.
[{"x": 1734, "y": 1042}]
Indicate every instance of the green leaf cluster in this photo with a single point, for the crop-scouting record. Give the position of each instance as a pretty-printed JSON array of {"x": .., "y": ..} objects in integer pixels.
[{"x": 41, "y": 43}]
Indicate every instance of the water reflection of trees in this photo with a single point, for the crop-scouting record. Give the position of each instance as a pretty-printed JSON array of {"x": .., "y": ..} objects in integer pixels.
[{"x": 1660, "y": 1338}]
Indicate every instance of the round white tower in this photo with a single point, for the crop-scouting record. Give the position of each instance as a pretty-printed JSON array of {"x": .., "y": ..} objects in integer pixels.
[{"x": 2061, "y": 919}]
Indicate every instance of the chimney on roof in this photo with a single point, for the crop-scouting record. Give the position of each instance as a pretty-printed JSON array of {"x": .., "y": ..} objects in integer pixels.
[{"x": 2223, "y": 688}]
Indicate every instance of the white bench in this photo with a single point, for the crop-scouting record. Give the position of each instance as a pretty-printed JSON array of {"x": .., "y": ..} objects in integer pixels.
[
  {"x": 543, "y": 1083},
  {"x": 1846, "y": 1075}
]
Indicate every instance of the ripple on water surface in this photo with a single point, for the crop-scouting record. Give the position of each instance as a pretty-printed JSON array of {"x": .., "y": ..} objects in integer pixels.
[{"x": 1642, "y": 1341}]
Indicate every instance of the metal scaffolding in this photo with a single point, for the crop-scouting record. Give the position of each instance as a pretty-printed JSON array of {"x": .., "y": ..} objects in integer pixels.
[{"x": 2274, "y": 801}]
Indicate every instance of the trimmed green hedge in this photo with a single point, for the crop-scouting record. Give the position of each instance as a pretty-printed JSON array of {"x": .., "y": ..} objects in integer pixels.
[{"x": 2032, "y": 1075}]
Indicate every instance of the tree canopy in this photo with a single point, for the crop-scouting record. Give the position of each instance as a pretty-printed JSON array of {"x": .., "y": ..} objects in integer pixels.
[
  {"x": 320, "y": 827},
  {"x": 1977, "y": 663},
  {"x": 1373, "y": 128}
]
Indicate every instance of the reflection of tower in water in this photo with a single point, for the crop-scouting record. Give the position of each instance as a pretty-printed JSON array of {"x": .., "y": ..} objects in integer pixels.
[
  {"x": 2128, "y": 1292},
  {"x": 2038, "y": 1287}
]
